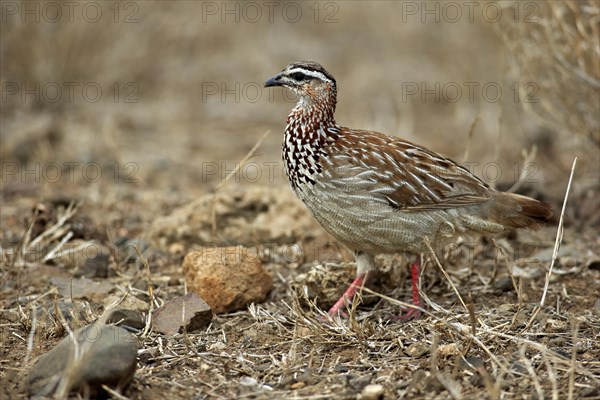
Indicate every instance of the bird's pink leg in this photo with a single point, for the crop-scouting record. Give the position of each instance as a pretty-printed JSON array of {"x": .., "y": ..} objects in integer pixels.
[
  {"x": 348, "y": 295},
  {"x": 414, "y": 313}
]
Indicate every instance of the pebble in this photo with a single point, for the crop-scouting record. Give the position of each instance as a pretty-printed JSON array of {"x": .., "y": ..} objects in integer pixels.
[
  {"x": 504, "y": 284},
  {"x": 450, "y": 349},
  {"x": 96, "y": 267},
  {"x": 470, "y": 362},
  {"x": 506, "y": 308},
  {"x": 372, "y": 392},
  {"x": 128, "y": 250},
  {"x": 106, "y": 356},
  {"x": 417, "y": 349},
  {"x": 130, "y": 302},
  {"x": 126, "y": 318},
  {"x": 593, "y": 264},
  {"x": 168, "y": 318},
  {"x": 82, "y": 288},
  {"x": 228, "y": 278},
  {"x": 89, "y": 257}
]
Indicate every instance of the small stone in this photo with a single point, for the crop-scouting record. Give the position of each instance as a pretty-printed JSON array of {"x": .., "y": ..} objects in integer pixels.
[
  {"x": 128, "y": 251},
  {"x": 590, "y": 392},
  {"x": 518, "y": 367},
  {"x": 126, "y": 318},
  {"x": 545, "y": 256},
  {"x": 422, "y": 381},
  {"x": 146, "y": 356},
  {"x": 593, "y": 264},
  {"x": 217, "y": 346},
  {"x": 251, "y": 333},
  {"x": 358, "y": 383},
  {"x": 106, "y": 355},
  {"x": 555, "y": 325},
  {"x": 504, "y": 284},
  {"x": 597, "y": 306},
  {"x": 304, "y": 332},
  {"x": 168, "y": 318},
  {"x": 176, "y": 248},
  {"x": 450, "y": 349},
  {"x": 130, "y": 302},
  {"x": 141, "y": 284},
  {"x": 297, "y": 385},
  {"x": 506, "y": 308},
  {"x": 340, "y": 368},
  {"x": 527, "y": 271},
  {"x": 470, "y": 362},
  {"x": 521, "y": 319},
  {"x": 81, "y": 288},
  {"x": 228, "y": 278},
  {"x": 372, "y": 392},
  {"x": 417, "y": 349},
  {"x": 96, "y": 267},
  {"x": 75, "y": 253}
]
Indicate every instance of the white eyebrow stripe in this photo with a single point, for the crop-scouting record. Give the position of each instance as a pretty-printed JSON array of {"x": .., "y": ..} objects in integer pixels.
[{"x": 314, "y": 74}]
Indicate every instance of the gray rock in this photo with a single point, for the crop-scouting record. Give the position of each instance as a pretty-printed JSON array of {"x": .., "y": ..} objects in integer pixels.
[
  {"x": 168, "y": 319},
  {"x": 101, "y": 355},
  {"x": 81, "y": 288},
  {"x": 126, "y": 318},
  {"x": 96, "y": 267}
]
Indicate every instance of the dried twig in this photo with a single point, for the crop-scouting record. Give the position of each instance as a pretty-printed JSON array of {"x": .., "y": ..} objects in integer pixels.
[{"x": 557, "y": 243}]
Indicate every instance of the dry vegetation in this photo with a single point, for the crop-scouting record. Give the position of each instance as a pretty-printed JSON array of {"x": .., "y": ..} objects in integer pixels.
[{"x": 487, "y": 332}]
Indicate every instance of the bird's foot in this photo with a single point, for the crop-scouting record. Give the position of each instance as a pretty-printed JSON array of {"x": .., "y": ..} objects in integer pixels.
[
  {"x": 339, "y": 307},
  {"x": 412, "y": 314}
]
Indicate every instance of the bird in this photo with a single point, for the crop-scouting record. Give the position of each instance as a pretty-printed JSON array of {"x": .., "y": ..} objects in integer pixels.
[{"x": 379, "y": 194}]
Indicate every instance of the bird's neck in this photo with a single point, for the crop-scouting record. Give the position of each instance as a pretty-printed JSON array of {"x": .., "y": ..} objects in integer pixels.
[
  {"x": 310, "y": 126},
  {"x": 310, "y": 120}
]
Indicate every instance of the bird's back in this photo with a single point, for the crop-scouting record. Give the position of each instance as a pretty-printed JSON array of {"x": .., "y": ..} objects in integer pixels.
[{"x": 377, "y": 193}]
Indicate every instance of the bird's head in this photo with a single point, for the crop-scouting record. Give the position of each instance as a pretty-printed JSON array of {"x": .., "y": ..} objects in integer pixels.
[{"x": 307, "y": 79}]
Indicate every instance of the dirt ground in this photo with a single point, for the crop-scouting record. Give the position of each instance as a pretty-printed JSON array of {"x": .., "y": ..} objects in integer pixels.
[{"x": 118, "y": 117}]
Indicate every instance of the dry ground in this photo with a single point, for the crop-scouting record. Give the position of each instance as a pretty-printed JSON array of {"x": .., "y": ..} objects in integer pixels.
[{"x": 181, "y": 103}]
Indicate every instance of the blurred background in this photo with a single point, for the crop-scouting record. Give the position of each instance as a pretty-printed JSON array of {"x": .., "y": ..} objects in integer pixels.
[{"x": 153, "y": 103}]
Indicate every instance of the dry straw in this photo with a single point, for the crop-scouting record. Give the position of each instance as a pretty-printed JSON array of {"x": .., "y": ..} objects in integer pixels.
[{"x": 555, "y": 58}]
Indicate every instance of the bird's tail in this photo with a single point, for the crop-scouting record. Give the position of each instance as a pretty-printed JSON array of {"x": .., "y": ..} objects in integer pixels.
[{"x": 516, "y": 211}]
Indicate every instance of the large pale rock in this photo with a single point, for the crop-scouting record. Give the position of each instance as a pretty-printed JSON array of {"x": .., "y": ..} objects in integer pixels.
[
  {"x": 227, "y": 278},
  {"x": 243, "y": 216}
]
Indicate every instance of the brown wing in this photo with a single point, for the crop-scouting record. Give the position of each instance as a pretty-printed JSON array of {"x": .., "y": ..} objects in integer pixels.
[{"x": 407, "y": 176}]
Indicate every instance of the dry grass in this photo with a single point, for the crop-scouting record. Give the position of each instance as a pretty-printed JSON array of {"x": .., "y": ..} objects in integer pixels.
[
  {"x": 558, "y": 51},
  {"x": 485, "y": 333}
]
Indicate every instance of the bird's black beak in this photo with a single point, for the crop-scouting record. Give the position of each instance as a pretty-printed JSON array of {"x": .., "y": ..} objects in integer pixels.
[{"x": 274, "y": 81}]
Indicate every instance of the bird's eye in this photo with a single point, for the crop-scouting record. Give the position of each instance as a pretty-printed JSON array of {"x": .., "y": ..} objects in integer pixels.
[{"x": 298, "y": 76}]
